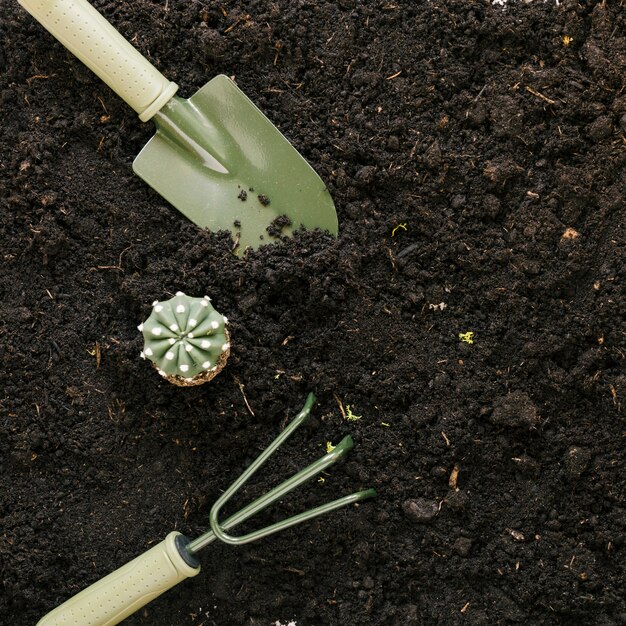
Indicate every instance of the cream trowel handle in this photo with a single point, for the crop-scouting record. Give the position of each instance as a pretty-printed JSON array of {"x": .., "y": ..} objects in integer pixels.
[
  {"x": 124, "y": 591},
  {"x": 87, "y": 35}
]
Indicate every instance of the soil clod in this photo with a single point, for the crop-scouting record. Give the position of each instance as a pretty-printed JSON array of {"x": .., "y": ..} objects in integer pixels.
[{"x": 420, "y": 510}]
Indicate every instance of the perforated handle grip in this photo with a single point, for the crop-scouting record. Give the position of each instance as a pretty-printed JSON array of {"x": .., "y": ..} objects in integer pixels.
[
  {"x": 87, "y": 35},
  {"x": 118, "y": 595}
]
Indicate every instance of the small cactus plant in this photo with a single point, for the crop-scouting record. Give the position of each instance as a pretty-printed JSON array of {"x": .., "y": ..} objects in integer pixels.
[{"x": 186, "y": 339}]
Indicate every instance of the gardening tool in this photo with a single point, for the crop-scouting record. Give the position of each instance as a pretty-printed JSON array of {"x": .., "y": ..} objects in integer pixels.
[
  {"x": 121, "y": 593},
  {"x": 215, "y": 156}
]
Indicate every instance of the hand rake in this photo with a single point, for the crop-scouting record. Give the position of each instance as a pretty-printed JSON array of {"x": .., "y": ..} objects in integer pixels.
[{"x": 124, "y": 591}]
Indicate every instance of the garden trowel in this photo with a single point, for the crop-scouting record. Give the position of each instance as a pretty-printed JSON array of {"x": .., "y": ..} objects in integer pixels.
[{"x": 215, "y": 156}]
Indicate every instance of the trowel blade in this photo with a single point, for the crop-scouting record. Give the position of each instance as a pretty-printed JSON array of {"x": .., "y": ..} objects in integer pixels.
[{"x": 225, "y": 166}]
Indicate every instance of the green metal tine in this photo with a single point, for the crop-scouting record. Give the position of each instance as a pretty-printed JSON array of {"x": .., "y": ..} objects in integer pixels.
[{"x": 218, "y": 531}]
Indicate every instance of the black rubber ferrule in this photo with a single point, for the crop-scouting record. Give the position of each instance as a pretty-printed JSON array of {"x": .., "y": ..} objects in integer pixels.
[{"x": 181, "y": 545}]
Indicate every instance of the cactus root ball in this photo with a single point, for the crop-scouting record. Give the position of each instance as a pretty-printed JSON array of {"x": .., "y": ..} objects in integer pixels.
[{"x": 186, "y": 340}]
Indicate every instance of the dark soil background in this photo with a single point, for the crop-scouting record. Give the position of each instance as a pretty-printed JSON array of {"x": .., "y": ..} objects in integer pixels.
[{"x": 476, "y": 154}]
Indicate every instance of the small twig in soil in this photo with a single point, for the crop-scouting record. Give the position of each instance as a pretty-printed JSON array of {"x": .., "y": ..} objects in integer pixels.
[
  {"x": 97, "y": 353},
  {"x": 104, "y": 106},
  {"x": 39, "y": 77},
  {"x": 480, "y": 93},
  {"x": 240, "y": 385},
  {"x": 540, "y": 95},
  {"x": 119, "y": 262},
  {"x": 614, "y": 396},
  {"x": 244, "y": 18},
  {"x": 453, "y": 477},
  {"x": 338, "y": 400}
]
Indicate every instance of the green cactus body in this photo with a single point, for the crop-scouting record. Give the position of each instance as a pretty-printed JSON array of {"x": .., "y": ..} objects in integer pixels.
[{"x": 186, "y": 339}]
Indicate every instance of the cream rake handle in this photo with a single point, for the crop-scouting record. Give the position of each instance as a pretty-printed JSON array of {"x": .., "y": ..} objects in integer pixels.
[
  {"x": 88, "y": 36},
  {"x": 116, "y": 596}
]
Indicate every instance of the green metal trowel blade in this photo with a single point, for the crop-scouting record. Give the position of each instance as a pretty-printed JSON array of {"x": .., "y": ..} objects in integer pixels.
[{"x": 225, "y": 166}]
